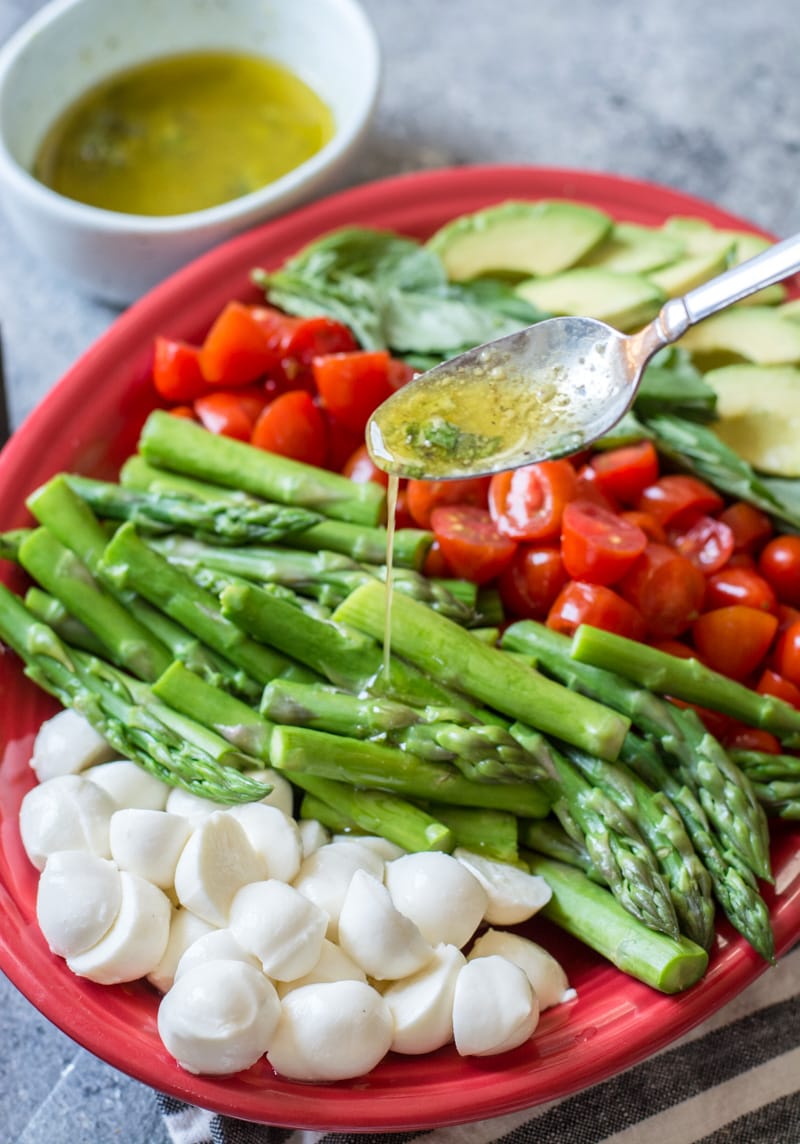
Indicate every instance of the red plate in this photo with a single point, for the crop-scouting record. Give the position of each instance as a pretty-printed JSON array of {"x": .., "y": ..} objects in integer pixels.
[{"x": 89, "y": 422}]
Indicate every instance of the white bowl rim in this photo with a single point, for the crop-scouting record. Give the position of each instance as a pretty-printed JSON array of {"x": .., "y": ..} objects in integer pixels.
[{"x": 243, "y": 209}]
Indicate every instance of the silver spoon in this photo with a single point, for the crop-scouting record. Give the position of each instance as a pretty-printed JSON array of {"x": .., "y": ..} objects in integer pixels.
[{"x": 547, "y": 390}]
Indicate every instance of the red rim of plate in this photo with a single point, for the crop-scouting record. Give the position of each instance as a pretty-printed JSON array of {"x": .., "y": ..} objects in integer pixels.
[{"x": 89, "y": 422}]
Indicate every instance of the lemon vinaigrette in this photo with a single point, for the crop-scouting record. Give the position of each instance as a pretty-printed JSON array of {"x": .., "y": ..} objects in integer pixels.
[{"x": 183, "y": 133}]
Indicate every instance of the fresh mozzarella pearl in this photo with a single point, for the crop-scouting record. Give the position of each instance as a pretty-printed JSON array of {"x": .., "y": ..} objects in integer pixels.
[
  {"x": 548, "y": 979},
  {"x": 333, "y": 964},
  {"x": 78, "y": 898},
  {"x": 282, "y": 793},
  {"x": 514, "y": 895},
  {"x": 280, "y": 926},
  {"x": 312, "y": 835},
  {"x": 219, "y": 1018},
  {"x": 218, "y": 945},
  {"x": 325, "y": 875},
  {"x": 129, "y": 784},
  {"x": 331, "y": 1031},
  {"x": 422, "y": 1004},
  {"x": 148, "y": 843},
  {"x": 137, "y": 939},
  {"x": 216, "y": 861},
  {"x": 274, "y": 835},
  {"x": 382, "y": 846},
  {"x": 66, "y": 744},
  {"x": 192, "y": 806},
  {"x": 494, "y": 1007},
  {"x": 185, "y": 929},
  {"x": 65, "y": 813},
  {"x": 380, "y": 939},
  {"x": 437, "y": 892}
]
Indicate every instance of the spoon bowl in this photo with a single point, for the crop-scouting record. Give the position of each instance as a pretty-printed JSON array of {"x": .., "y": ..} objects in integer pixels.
[{"x": 547, "y": 390}]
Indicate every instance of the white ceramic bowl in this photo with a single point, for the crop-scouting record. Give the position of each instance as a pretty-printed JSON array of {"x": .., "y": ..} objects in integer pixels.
[{"x": 70, "y": 45}]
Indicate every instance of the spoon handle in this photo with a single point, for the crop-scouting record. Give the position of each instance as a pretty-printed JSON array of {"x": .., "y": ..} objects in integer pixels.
[{"x": 773, "y": 265}]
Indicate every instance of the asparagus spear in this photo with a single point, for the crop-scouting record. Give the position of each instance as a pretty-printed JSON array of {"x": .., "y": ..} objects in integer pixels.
[
  {"x": 616, "y": 848},
  {"x": 775, "y": 779},
  {"x": 298, "y": 750},
  {"x": 686, "y": 679},
  {"x": 52, "y": 612},
  {"x": 548, "y": 837},
  {"x": 483, "y": 753},
  {"x": 327, "y": 576},
  {"x": 725, "y": 793},
  {"x": 10, "y": 542},
  {"x": 358, "y": 541},
  {"x": 590, "y": 913},
  {"x": 77, "y": 681},
  {"x": 455, "y": 658},
  {"x": 177, "y": 444}
]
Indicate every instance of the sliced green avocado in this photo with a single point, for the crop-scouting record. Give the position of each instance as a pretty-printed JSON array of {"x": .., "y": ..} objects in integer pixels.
[
  {"x": 748, "y": 246},
  {"x": 688, "y": 272},
  {"x": 519, "y": 238},
  {"x": 625, "y": 301},
  {"x": 759, "y": 411},
  {"x": 754, "y": 333},
  {"x": 699, "y": 236},
  {"x": 724, "y": 248},
  {"x": 634, "y": 249},
  {"x": 790, "y": 310}
]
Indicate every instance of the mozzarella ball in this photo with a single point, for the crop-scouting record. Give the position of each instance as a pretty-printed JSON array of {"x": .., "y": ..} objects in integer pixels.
[
  {"x": 437, "y": 892},
  {"x": 514, "y": 895},
  {"x": 272, "y": 834},
  {"x": 384, "y": 942},
  {"x": 216, "y": 861},
  {"x": 312, "y": 835},
  {"x": 331, "y": 1031},
  {"x": 129, "y": 784},
  {"x": 135, "y": 944},
  {"x": 282, "y": 793},
  {"x": 192, "y": 806},
  {"x": 78, "y": 898},
  {"x": 325, "y": 875},
  {"x": 494, "y": 1007},
  {"x": 333, "y": 964},
  {"x": 422, "y": 1004},
  {"x": 185, "y": 928},
  {"x": 548, "y": 979},
  {"x": 67, "y": 744},
  {"x": 148, "y": 843},
  {"x": 219, "y": 1018},
  {"x": 218, "y": 945},
  {"x": 385, "y": 849},
  {"x": 65, "y": 813},
  {"x": 280, "y": 926}
]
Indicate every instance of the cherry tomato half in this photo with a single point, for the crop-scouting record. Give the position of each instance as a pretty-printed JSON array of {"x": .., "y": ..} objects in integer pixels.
[
  {"x": 360, "y": 468},
  {"x": 744, "y": 738},
  {"x": 667, "y": 590},
  {"x": 176, "y": 370},
  {"x": 779, "y": 563},
  {"x": 530, "y": 584},
  {"x": 751, "y": 527},
  {"x": 626, "y": 472},
  {"x": 352, "y": 385},
  {"x": 580, "y": 603},
  {"x": 708, "y": 543},
  {"x": 739, "y": 586},
  {"x": 292, "y": 426},
  {"x": 424, "y": 496},
  {"x": 677, "y": 500},
  {"x": 786, "y": 656},
  {"x": 235, "y": 350},
  {"x": 470, "y": 542},
  {"x": 528, "y": 503},
  {"x": 231, "y": 412},
  {"x": 771, "y": 683},
  {"x": 597, "y": 545},
  {"x": 734, "y": 640}
]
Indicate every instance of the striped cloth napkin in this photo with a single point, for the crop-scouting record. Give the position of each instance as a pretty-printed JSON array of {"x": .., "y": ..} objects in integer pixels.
[{"x": 735, "y": 1079}]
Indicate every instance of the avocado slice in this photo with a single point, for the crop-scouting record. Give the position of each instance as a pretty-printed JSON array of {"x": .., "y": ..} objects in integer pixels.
[
  {"x": 689, "y": 272},
  {"x": 519, "y": 238},
  {"x": 625, "y": 301},
  {"x": 699, "y": 236},
  {"x": 759, "y": 411},
  {"x": 634, "y": 249},
  {"x": 752, "y": 333},
  {"x": 724, "y": 248},
  {"x": 748, "y": 246},
  {"x": 790, "y": 310}
]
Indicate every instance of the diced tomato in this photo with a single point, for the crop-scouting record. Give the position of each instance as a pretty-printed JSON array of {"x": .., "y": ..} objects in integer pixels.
[
  {"x": 677, "y": 500},
  {"x": 708, "y": 543},
  {"x": 648, "y": 524},
  {"x": 744, "y": 738},
  {"x": 436, "y": 565},
  {"x": 596, "y": 545},
  {"x": 666, "y": 589},
  {"x": 360, "y": 467},
  {"x": 580, "y": 603},
  {"x": 739, "y": 586},
  {"x": 352, "y": 385},
  {"x": 626, "y": 472},
  {"x": 771, "y": 683},
  {"x": 779, "y": 563},
  {"x": 751, "y": 527},
  {"x": 530, "y": 584},
  {"x": 786, "y": 655},
  {"x": 470, "y": 542},
  {"x": 734, "y": 640},
  {"x": 176, "y": 370},
  {"x": 528, "y": 503},
  {"x": 236, "y": 350},
  {"x": 425, "y": 496},
  {"x": 293, "y": 426},
  {"x": 230, "y": 412}
]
